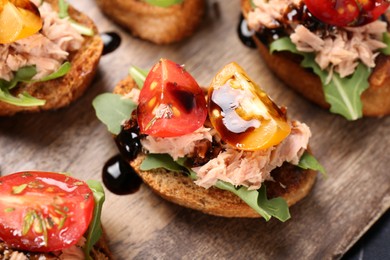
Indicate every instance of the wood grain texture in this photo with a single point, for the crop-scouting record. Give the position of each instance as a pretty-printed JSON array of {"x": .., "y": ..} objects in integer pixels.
[{"x": 143, "y": 226}]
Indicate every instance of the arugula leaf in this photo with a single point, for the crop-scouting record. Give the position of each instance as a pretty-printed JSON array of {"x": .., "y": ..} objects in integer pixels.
[
  {"x": 308, "y": 161},
  {"x": 62, "y": 71},
  {"x": 82, "y": 29},
  {"x": 343, "y": 94},
  {"x": 112, "y": 110},
  {"x": 23, "y": 99},
  {"x": 386, "y": 40},
  {"x": 95, "y": 228},
  {"x": 139, "y": 75},
  {"x": 155, "y": 161},
  {"x": 25, "y": 75},
  {"x": 256, "y": 199},
  {"x": 64, "y": 14},
  {"x": 163, "y": 3},
  {"x": 182, "y": 162},
  {"x": 63, "y": 9}
]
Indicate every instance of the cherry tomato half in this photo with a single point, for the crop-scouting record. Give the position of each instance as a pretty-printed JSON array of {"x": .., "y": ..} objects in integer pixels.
[
  {"x": 43, "y": 211},
  {"x": 18, "y": 19},
  {"x": 243, "y": 115},
  {"x": 347, "y": 12},
  {"x": 171, "y": 103}
]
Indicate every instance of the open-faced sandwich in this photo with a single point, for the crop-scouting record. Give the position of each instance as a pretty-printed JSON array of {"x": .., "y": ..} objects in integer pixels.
[
  {"x": 335, "y": 53},
  {"x": 49, "y": 53},
  {"x": 228, "y": 152},
  {"x": 158, "y": 21},
  {"x": 45, "y": 215}
]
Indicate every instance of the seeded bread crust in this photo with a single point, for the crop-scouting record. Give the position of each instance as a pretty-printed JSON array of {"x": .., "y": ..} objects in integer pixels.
[
  {"x": 291, "y": 182},
  {"x": 376, "y": 101},
  {"x": 156, "y": 24},
  {"x": 62, "y": 91}
]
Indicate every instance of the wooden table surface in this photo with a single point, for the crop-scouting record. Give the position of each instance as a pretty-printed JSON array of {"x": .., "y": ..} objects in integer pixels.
[{"x": 143, "y": 226}]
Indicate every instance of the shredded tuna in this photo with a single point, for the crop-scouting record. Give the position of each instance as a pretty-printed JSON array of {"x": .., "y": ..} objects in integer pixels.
[
  {"x": 267, "y": 13},
  {"x": 341, "y": 51},
  {"x": 338, "y": 51},
  {"x": 18, "y": 256},
  {"x": 47, "y": 50},
  {"x": 133, "y": 95},
  {"x": 74, "y": 252},
  {"x": 179, "y": 146},
  {"x": 251, "y": 169}
]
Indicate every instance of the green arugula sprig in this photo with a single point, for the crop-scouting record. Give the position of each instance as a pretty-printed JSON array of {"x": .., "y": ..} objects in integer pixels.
[
  {"x": 386, "y": 40},
  {"x": 113, "y": 109},
  {"x": 163, "y": 3},
  {"x": 63, "y": 14},
  {"x": 139, "y": 75},
  {"x": 95, "y": 227},
  {"x": 25, "y": 75},
  {"x": 308, "y": 161},
  {"x": 343, "y": 94}
]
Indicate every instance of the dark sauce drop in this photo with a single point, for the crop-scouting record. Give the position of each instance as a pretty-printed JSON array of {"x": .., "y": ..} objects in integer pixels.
[
  {"x": 245, "y": 34},
  {"x": 128, "y": 142},
  {"x": 111, "y": 41},
  {"x": 119, "y": 177}
]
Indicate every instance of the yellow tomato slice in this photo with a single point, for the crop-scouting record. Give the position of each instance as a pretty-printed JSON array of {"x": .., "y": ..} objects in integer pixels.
[
  {"x": 18, "y": 22},
  {"x": 243, "y": 114}
]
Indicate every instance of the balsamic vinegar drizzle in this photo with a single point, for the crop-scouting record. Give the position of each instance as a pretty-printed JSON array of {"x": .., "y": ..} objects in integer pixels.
[
  {"x": 128, "y": 142},
  {"x": 119, "y": 177},
  {"x": 245, "y": 34},
  {"x": 111, "y": 41}
]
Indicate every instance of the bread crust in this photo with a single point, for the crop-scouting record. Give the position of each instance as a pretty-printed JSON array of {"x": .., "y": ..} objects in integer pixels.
[
  {"x": 375, "y": 99},
  {"x": 156, "y": 24},
  {"x": 291, "y": 182},
  {"x": 62, "y": 91}
]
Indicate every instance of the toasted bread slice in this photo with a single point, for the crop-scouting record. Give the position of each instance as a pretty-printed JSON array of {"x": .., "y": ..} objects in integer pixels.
[
  {"x": 376, "y": 101},
  {"x": 62, "y": 91},
  {"x": 100, "y": 251},
  {"x": 291, "y": 182},
  {"x": 160, "y": 25}
]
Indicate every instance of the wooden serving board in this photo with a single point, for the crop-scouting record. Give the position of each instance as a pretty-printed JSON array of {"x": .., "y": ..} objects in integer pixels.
[{"x": 143, "y": 226}]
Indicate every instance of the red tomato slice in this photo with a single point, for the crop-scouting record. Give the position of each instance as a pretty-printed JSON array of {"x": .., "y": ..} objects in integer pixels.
[
  {"x": 43, "y": 211},
  {"x": 171, "y": 103},
  {"x": 347, "y": 12}
]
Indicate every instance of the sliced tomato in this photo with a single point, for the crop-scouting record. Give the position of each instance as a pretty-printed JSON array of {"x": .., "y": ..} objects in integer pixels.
[
  {"x": 18, "y": 19},
  {"x": 347, "y": 12},
  {"x": 171, "y": 103},
  {"x": 43, "y": 211},
  {"x": 243, "y": 115}
]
